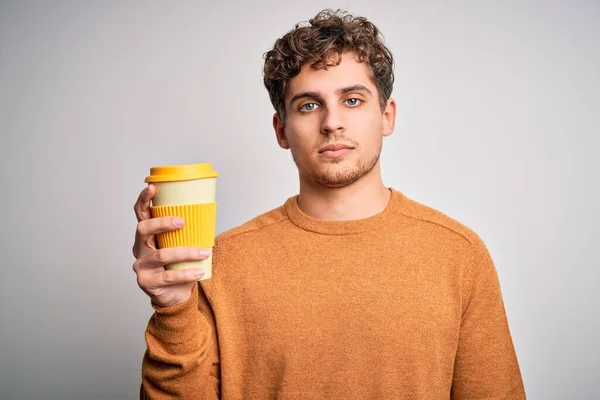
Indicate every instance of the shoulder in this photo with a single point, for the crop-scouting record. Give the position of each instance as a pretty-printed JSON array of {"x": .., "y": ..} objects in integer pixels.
[
  {"x": 448, "y": 238},
  {"x": 438, "y": 224},
  {"x": 263, "y": 223}
]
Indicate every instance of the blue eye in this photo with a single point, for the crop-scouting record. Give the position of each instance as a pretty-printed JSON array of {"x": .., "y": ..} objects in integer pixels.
[
  {"x": 308, "y": 107},
  {"x": 353, "y": 102}
]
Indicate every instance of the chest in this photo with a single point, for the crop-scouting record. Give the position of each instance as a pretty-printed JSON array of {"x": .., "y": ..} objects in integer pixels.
[{"x": 378, "y": 295}]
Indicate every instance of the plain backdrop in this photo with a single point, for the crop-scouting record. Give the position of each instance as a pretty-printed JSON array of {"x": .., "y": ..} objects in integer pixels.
[{"x": 497, "y": 126}]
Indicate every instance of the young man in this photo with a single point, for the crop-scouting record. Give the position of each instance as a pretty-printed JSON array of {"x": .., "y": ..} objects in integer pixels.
[{"x": 349, "y": 290}]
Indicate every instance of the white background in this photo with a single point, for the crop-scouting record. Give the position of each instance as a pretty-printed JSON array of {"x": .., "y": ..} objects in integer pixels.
[{"x": 498, "y": 126}]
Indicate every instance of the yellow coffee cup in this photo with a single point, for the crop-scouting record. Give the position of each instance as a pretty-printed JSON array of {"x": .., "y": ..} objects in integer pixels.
[{"x": 187, "y": 191}]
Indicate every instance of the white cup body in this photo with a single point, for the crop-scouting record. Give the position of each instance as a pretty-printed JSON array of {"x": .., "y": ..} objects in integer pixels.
[{"x": 197, "y": 191}]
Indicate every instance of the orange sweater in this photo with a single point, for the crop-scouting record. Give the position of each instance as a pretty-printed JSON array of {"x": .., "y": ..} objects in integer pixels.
[{"x": 402, "y": 305}]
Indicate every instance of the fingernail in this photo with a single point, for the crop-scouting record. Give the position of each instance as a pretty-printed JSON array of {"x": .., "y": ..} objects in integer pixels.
[
  {"x": 199, "y": 273},
  {"x": 178, "y": 222},
  {"x": 204, "y": 253}
]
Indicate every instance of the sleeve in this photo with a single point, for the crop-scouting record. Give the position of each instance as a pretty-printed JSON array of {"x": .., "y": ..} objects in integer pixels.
[
  {"x": 486, "y": 365},
  {"x": 181, "y": 360}
]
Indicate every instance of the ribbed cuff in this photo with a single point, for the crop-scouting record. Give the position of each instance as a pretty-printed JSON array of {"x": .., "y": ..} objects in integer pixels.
[{"x": 175, "y": 324}]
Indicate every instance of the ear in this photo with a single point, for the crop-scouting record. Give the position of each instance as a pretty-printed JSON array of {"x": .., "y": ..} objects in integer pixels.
[
  {"x": 279, "y": 128},
  {"x": 389, "y": 117}
]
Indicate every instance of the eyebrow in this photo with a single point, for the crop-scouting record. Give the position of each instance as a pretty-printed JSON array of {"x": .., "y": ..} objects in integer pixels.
[{"x": 340, "y": 91}]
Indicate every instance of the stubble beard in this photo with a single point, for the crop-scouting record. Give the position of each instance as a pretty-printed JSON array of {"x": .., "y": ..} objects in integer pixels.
[{"x": 334, "y": 176}]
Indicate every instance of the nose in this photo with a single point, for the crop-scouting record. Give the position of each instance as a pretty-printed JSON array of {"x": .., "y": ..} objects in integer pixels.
[{"x": 332, "y": 121}]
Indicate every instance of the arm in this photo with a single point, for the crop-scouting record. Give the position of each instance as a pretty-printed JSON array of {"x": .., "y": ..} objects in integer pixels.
[
  {"x": 181, "y": 360},
  {"x": 486, "y": 365}
]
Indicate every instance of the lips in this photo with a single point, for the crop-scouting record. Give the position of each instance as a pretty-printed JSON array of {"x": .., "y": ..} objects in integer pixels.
[{"x": 334, "y": 147}]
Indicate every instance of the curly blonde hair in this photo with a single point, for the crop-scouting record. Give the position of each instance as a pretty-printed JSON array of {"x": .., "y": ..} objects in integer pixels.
[{"x": 321, "y": 42}]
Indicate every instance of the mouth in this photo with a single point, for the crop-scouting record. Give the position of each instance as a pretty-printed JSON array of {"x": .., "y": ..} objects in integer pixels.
[{"x": 335, "y": 150}]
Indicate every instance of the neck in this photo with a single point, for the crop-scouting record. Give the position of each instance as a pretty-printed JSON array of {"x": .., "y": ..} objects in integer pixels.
[{"x": 364, "y": 198}]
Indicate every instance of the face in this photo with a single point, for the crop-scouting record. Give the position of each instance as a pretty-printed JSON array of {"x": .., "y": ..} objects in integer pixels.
[{"x": 334, "y": 123}]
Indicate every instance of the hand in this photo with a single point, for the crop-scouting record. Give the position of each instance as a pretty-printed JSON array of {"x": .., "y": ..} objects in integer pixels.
[{"x": 166, "y": 288}]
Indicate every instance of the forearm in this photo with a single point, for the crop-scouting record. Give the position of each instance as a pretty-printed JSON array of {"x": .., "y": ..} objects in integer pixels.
[{"x": 181, "y": 360}]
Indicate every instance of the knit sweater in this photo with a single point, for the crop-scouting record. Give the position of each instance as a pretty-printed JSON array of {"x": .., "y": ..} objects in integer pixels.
[{"x": 405, "y": 304}]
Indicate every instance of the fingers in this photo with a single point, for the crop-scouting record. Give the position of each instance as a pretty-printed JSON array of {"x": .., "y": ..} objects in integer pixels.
[
  {"x": 152, "y": 275},
  {"x": 153, "y": 226},
  {"x": 170, "y": 255},
  {"x": 167, "y": 278},
  {"x": 142, "y": 205},
  {"x": 146, "y": 229}
]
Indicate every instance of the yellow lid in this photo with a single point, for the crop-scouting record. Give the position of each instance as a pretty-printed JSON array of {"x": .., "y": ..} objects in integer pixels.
[{"x": 171, "y": 173}]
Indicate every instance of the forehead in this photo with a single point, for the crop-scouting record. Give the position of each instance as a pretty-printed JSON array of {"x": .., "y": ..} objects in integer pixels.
[{"x": 348, "y": 73}]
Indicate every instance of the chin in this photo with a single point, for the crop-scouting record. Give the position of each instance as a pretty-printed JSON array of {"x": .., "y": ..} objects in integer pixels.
[
  {"x": 336, "y": 184},
  {"x": 338, "y": 174},
  {"x": 337, "y": 177}
]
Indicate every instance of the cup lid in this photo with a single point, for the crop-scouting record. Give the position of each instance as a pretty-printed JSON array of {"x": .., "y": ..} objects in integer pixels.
[{"x": 171, "y": 173}]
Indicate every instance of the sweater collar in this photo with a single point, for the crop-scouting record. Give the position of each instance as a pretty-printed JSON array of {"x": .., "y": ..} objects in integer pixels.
[{"x": 306, "y": 222}]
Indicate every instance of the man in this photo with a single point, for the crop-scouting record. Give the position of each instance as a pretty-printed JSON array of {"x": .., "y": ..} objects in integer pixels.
[{"x": 349, "y": 290}]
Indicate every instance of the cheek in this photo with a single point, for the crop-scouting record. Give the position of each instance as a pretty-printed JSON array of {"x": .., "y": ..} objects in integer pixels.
[
  {"x": 370, "y": 132},
  {"x": 301, "y": 144},
  {"x": 369, "y": 119}
]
